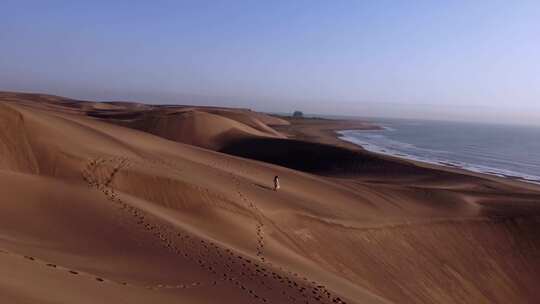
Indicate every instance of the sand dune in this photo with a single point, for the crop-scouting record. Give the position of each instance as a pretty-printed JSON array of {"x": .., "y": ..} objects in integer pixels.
[
  {"x": 114, "y": 203},
  {"x": 202, "y": 128}
]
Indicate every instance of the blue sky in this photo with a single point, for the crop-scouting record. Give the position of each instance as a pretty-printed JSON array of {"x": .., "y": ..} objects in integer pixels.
[{"x": 461, "y": 60}]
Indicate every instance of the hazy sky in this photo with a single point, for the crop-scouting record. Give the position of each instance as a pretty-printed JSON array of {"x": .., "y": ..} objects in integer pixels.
[{"x": 473, "y": 60}]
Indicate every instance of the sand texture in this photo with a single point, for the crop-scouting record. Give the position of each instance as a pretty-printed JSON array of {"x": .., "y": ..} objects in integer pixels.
[{"x": 131, "y": 203}]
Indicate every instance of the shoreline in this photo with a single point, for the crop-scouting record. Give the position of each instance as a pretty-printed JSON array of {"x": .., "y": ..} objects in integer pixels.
[
  {"x": 444, "y": 163},
  {"x": 326, "y": 131}
]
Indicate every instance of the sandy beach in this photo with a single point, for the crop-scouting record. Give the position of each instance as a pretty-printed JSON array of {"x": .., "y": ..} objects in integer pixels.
[{"x": 111, "y": 202}]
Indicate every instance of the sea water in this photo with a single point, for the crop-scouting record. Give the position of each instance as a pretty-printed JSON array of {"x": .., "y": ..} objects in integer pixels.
[{"x": 502, "y": 150}]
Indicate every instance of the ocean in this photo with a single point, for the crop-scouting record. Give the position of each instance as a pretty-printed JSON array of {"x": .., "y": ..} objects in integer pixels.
[{"x": 501, "y": 150}]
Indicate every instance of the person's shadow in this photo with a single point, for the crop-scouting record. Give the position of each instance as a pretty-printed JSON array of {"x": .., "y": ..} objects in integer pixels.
[{"x": 264, "y": 187}]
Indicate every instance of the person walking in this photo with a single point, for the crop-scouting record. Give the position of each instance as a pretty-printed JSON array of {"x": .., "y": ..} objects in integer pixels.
[{"x": 276, "y": 183}]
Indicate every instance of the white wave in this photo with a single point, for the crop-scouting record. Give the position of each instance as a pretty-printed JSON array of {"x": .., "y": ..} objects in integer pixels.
[{"x": 392, "y": 148}]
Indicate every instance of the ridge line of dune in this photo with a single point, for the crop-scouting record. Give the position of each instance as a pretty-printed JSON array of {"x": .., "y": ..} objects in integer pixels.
[
  {"x": 428, "y": 222},
  {"x": 23, "y": 134}
]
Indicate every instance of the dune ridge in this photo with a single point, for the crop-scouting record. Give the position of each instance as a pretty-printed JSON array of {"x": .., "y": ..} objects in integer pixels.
[{"x": 115, "y": 202}]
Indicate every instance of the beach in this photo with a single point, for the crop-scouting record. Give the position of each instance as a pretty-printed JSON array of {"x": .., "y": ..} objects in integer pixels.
[
  {"x": 509, "y": 151},
  {"x": 112, "y": 202}
]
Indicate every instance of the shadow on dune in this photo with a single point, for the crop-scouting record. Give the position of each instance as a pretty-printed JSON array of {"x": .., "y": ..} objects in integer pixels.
[{"x": 316, "y": 158}]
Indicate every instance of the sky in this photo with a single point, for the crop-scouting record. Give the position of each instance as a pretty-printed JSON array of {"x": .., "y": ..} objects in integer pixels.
[{"x": 456, "y": 60}]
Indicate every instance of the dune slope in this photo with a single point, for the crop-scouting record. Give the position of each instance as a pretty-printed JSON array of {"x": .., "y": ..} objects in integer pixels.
[{"x": 102, "y": 209}]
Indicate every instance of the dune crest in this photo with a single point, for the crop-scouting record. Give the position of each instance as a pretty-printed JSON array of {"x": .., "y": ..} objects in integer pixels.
[{"x": 201, "y": 128}]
